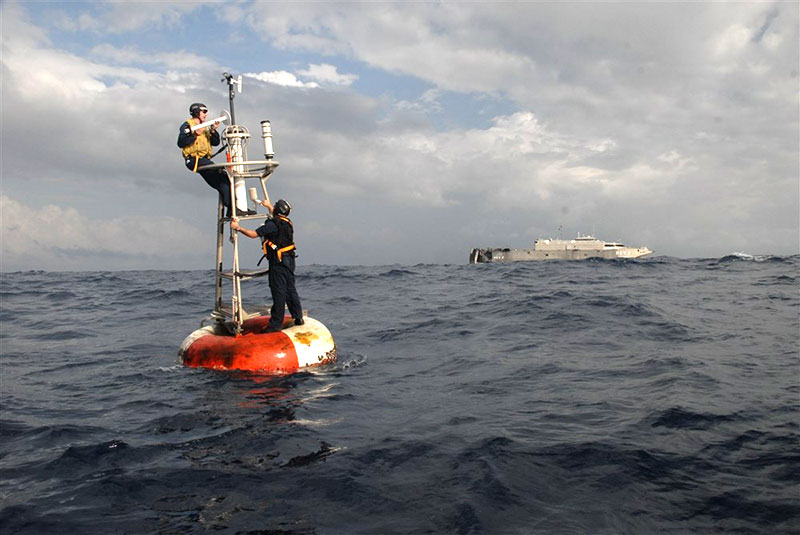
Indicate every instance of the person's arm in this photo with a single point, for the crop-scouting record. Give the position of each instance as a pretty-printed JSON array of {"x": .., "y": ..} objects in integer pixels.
[
  {"x": 267, "y": 205},
  {"x": 246, "y": 231},
  {"x": 214, "y": 135},
  {"x": 185, "y": 138}
]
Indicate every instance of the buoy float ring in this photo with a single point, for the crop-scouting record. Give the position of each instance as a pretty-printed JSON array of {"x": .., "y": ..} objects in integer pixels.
[{"x": 285, "y": 351}]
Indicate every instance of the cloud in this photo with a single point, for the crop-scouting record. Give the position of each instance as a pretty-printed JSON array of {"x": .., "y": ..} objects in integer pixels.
[
  {"x": 103, "y": 120},
  {"x": 321, "y": 74},
  {"x": 328, "y": 74},
  {"x": 124, "y": 17},
  {"x": 131, "y": 55},
  {"x": 639, "y": 116},
  {"x": 44, "y": 74},
  {"x": 538, "y": 54},
  {"x": 61, "y": 238},
  {"x": 401, "y": 38},
  {"x": 516, "y": 162},
  {"x": 282, "y": 78},
  {"x": 428, "y": 102},
  {"x": 732, "y": 41}
]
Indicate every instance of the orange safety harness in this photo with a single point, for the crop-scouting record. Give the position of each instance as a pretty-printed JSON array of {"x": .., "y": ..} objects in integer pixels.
[
  {"x": 266, "y": 245},
  {"x": 274, "y": 247}
]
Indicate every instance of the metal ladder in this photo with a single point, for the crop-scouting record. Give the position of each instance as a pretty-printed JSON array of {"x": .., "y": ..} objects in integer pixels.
[{"x": 239, "y": 169}]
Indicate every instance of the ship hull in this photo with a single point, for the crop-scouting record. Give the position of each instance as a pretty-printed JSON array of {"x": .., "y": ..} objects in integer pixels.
[{"x": 479, "y": 256}]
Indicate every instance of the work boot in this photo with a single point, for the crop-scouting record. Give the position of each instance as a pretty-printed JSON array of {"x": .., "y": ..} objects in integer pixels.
[{"x": 299, "y": 321}]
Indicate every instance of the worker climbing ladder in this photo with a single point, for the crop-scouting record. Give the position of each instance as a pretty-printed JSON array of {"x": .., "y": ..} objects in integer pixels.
[{"x": 239, "y": 168}]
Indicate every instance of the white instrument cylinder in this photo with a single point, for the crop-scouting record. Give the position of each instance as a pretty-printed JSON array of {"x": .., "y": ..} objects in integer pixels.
[
  {"x": 241, "y": 194},
  {"x": 220, "y": 119},
  {"x": 253, "y": 195},
  {"x": 237, "y": 155},
  {"x": 266, "y": 134}
]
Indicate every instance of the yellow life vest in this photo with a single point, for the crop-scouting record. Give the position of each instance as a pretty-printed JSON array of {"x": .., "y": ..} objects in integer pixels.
[{"x": 202, "y": 142}]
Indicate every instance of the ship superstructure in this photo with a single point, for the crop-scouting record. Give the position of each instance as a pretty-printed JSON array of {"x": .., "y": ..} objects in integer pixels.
[{"x": 579, "y": 248}]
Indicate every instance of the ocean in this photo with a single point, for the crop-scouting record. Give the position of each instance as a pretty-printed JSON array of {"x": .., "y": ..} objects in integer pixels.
[{"x": 594, "y": 397}]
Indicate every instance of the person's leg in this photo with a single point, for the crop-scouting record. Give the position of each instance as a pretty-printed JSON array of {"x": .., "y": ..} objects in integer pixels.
[
  {"x": 277, "y": 286},
  {"x": 218, "y": 179},
  {"x": 293, "y": 300}
]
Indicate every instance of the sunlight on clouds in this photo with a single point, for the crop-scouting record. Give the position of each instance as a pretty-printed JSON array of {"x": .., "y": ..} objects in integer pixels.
[
  {"x": 521, "y": 133},
  {"x": 516, "y": 160},
  {"x": 520, "y": 162},
  {"x": 732, "y": 41},
  {"x": 282, "y": 78},
  {"x": 37, "y": 71},
  {"x": 51, "y": 78},
  {"x": 46, "y": 75},
  {"x": 772, "y": 42},
  {"x": 328, "y": 74},
  {"x": 605, "y": 145},
  {"x": 647, "y": 179},
  {"x": 53, "y": 75},
  {"x": 558, "y": 175}
]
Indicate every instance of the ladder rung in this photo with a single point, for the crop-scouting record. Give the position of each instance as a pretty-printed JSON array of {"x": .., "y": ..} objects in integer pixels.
[
  {"x": 227, "y": 312},
  {"x": 246, "y": 274},
  {"x": 245, "y": 217}
]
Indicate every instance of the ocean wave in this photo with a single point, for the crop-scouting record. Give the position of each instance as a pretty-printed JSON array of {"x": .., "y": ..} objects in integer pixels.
[
  {"x": 656, "y": 396},
  {"x": 680, "y": 418},
  {"x": 745, "y": 257}
]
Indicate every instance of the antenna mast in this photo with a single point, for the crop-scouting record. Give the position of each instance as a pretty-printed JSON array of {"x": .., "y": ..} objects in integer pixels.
[{"x": 231, "y": 93}]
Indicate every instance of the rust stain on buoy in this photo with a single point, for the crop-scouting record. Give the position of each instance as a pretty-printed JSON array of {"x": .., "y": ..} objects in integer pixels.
[{"x": 305, "y": 338}]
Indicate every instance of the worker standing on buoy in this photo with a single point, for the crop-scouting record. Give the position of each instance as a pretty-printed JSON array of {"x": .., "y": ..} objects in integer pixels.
[{"x": 277, "y": 236}]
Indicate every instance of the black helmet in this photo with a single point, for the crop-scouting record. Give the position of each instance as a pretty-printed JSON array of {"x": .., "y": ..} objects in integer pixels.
[
  {"x": 282, "y": 208},
  {"x": 196, "y": 108}
]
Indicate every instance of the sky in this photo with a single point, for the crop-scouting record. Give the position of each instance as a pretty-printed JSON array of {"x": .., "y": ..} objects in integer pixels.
[{"x": 407, "y": 132}]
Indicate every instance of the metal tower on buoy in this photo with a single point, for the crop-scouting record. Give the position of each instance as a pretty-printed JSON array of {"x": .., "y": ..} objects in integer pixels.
[
  {"x": 236, "y": 337},
  {"x": 239, "y": 168}
]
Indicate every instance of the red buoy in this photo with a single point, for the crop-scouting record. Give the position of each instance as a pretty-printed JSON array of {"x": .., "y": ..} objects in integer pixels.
[{"x": 285, "y": 351}]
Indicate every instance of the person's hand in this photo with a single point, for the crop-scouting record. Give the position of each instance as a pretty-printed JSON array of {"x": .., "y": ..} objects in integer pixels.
[{"x": 234, "y": 224}]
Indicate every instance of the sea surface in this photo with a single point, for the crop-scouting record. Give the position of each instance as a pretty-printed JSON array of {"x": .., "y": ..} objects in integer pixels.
[{"x": 595, "y": 397}]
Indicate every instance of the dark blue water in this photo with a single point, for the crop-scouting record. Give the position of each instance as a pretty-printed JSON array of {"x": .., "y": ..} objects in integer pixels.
[{"x": 659, "y": 396}]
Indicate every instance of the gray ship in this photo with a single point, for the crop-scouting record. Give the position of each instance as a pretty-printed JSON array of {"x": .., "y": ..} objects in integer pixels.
[{"x": 579, "y": 248}]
